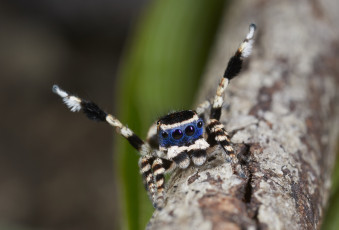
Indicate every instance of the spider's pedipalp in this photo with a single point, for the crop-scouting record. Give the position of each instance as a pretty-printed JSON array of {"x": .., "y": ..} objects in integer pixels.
[
  {"x": 198, "y": 157},
  {"x": 179, "y": 156}
]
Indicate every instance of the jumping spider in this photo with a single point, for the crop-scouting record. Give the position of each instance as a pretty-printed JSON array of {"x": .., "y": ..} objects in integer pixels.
[{"x": 179, "y": 135}]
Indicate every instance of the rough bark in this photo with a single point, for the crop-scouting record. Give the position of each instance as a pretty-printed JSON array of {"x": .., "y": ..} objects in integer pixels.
[{"x": 282, "y": 112}]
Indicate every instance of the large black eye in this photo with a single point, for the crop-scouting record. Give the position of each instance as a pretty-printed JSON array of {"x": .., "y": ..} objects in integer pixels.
[
  {"x": 199, "y": 124},
  {"x": 177, "y": 134},
  {"x": 164, "y": 134},
  {"x": 189, "y": 130}
]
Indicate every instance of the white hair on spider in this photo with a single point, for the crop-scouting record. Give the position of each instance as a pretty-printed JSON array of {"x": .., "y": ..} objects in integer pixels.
[
  {"x": 72, "y": 102},
  {"x": 251, "y": 32},
  {"x": 246, "y": 46}
]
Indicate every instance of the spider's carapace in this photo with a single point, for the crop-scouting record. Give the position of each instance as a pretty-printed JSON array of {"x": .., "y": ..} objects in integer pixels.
[{"x": 179, "y": 129}]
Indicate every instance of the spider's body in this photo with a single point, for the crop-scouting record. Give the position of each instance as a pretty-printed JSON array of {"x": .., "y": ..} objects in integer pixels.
[
  {"x": 180, "y": 135},
  {"x": 178, "y": 129},
  {"x": 178, "y": 138}
]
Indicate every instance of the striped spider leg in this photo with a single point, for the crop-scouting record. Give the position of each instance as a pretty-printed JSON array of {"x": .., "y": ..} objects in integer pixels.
[{"x": 216, "y": 132}]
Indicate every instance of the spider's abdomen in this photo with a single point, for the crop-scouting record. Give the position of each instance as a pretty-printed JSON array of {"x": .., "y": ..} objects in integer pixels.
[{"x": 179, "y": 129}]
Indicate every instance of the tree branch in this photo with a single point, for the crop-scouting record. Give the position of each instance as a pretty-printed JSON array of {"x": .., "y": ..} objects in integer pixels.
[{"x": 283, "y": 114}]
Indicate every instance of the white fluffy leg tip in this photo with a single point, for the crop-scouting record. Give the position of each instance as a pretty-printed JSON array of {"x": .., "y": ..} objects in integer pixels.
[
  {"x": 72, "y": 102},
  {"x": 250, "y": 34},
  {"x": 59, "y": 91}
]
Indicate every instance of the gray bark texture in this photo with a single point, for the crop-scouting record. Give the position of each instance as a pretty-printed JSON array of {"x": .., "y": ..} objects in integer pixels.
[{"x": 282, "y": 112}]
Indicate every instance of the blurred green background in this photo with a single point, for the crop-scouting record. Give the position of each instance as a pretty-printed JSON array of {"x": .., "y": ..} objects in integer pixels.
[{"x": 57, "y": 170}]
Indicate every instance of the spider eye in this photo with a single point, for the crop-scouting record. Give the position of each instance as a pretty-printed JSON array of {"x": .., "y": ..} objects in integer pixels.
[
  {"x": 177, "y": 134},
  {"x": 199, "y": 124},
  {"x": 189, "y": 130},
  {"x": 164, "y": 134}
]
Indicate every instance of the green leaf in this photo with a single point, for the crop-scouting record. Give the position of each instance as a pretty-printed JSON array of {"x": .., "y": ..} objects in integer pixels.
[
  {"x": 331, "y": 220},
  {"x": 160, "y": 73}
]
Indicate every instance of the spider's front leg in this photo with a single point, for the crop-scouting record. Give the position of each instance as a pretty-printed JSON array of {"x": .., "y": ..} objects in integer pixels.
[
  {"x": 232, "y": 70},
  {"x": 215, "y": 130}
]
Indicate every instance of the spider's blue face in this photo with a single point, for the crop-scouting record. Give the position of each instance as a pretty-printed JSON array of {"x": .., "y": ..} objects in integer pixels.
[{"x": 179, "y": 129}]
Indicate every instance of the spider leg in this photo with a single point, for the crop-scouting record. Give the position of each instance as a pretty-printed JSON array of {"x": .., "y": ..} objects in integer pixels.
[
  {"x": 233, "y": 68},
  {"x": 217, "y": 135},
  {"x": 93, "y": 112},
  {"x": 160, "y": 166},
  {"x": 145, "y": 165}
]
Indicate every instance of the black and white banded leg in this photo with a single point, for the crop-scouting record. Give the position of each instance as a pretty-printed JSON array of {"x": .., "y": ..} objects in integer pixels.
[
  {"x": 93, "y": 112},
  {"x": 145, "y": 166},
  {"x": 217, "y": 135},
  {"x": 215, "y": 130},
  {"x": 153, "y": 171},
  {"x": 160, "y": 167},
  {"x": 233, "y": 68}
]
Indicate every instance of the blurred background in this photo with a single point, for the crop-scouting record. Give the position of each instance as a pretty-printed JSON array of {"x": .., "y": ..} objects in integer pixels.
[{"x": 57, "y": 169}]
